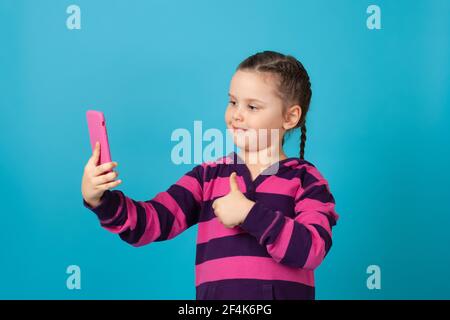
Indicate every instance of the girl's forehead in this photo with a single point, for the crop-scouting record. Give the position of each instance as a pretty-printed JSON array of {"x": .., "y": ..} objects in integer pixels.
[{"x": 253, "y": 85}]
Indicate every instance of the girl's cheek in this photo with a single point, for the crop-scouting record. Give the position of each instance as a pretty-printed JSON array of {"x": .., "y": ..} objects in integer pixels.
[
  {"x": 228, "y": 114},
  {"x": 226, "y": 118}
]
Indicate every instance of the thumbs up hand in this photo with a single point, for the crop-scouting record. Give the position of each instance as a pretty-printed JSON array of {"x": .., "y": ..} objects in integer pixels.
[{"x": 232, "y": 209}]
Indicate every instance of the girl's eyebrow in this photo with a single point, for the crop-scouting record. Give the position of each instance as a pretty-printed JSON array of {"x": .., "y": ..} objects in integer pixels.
[{"x": 250, "y": 99}]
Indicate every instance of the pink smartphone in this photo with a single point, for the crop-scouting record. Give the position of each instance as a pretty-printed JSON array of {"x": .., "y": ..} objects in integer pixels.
[{"x": 97, "y": 132}]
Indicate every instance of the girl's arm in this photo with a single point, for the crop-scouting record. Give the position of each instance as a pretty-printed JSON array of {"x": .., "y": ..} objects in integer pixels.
[
  {"x": 165, "y": 216},
  {"x": 302, "y": 241}
]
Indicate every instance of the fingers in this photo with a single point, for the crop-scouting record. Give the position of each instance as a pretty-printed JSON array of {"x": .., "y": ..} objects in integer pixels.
[
  {"x": 233, "y": 183},
  {"x": 215, "y": 207},
  {"x": 217, "y": 213},
  {"x": 95, "y": 155},
  {"x": 110, "y": 185},
  {"x": 105, "y": 178},
  {"x": 103, "y": 168}
]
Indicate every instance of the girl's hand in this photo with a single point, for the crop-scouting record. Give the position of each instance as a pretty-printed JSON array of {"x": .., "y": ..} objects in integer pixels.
[
  {"x": 96, "y": 179},
  {"x": 232, "y": 209}
]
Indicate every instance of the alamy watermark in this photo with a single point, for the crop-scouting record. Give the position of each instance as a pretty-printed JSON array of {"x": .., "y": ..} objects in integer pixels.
[
  {"x": 374, "y": 280},
  {"x": 73, "y": 21},
  {"x": 373, "y": 21},
  {"x": 262, "y": 145},
  {"x": 73, "y": 281}
]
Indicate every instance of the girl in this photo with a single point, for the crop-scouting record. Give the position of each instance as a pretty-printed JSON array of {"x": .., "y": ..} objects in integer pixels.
[{"x": 262, "y": 229}]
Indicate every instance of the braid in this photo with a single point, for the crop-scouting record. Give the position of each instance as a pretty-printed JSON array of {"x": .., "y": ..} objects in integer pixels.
[{"x": 303, "y": 141}]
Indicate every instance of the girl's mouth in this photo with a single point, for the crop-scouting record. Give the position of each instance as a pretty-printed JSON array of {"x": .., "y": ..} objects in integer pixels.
[{"x": 236, "y": 128}]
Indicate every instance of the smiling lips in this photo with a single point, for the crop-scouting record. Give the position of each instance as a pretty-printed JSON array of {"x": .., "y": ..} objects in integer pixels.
[{"x": 236, "y": 128}]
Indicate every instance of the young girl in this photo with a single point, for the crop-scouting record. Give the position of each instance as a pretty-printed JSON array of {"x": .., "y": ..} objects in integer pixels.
[{"x": 262, "y": 229}]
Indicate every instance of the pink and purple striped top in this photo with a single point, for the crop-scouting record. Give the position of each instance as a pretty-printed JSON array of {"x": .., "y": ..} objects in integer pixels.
[{"x": 271, "y": 255}]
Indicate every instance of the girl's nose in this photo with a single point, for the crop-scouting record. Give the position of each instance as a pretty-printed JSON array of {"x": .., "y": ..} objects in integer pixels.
[{"x": 237, "y": 115}]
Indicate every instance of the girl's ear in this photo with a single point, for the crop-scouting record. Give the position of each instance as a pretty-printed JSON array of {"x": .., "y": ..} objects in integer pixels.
[{"x": 292, "y": 117}]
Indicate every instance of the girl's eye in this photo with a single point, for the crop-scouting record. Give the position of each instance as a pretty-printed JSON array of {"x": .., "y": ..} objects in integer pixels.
[
  {"x": 232, "y": 103},
  {"x": 252, "y": 107}
]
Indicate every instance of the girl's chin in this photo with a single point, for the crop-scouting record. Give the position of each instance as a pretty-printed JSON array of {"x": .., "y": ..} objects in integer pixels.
[
  {"x": 247, "y": 146},
  {"x": 249, "y": 142}
]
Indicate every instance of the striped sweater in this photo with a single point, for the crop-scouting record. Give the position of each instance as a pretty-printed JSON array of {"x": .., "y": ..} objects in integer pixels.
[{"x": 271, "y": 255}]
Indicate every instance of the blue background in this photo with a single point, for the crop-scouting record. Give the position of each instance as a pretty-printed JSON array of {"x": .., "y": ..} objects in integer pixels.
[{"x": 377, "y": 130}]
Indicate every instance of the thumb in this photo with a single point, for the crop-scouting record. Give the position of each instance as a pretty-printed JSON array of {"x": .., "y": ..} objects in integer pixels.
[
  {"x": 233, "y": 183},
  {"x": 96, "y": 154}
]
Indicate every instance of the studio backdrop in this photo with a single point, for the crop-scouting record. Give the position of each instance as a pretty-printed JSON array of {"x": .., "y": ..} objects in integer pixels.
[{"x": 378, "y": 129}]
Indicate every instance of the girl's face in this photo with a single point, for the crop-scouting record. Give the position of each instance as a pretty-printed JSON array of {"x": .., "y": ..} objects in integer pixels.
[{"x": 254, "y": 105}]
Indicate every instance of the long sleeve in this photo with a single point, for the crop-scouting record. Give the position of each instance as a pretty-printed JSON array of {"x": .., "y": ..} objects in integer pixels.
[
  {"x": 304, "y": 240},
  {"x": 165, "y": 216}
]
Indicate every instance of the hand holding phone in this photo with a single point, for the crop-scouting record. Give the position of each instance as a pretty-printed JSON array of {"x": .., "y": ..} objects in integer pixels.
[{"x": 98, "y": 173}]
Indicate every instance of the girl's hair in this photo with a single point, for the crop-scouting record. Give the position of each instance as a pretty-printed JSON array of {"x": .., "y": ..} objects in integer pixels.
[{"x": 292, "y": 82}]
